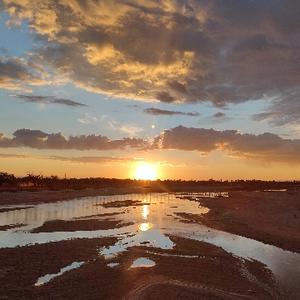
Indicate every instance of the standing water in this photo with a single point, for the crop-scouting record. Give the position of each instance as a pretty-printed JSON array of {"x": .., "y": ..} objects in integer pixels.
[{"x": 153, "y": 217}]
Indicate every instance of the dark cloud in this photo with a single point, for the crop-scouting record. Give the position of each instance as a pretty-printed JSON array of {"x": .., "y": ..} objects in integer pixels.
[
  {"x": 173, "y": 51},
  {"x": 177, "y": 86},
  {"x": 157, "y": 112},
  {"x": 165, "y": 97},
  {"x": 219, "y": 115},
  {"x": 16, "y": 73},
  {"x": 40, "y": 140},
  {"x": 48, "y": 100},
  {"x": 267, "y": 146}
]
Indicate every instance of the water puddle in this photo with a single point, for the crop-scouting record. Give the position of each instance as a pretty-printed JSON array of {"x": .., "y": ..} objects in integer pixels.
[
  {"x": 278, "y": 190},
  {"x": 112, "y": 265},
  {"x": 153, "y": 218},
  {"x": 203, "y": 195},
  {"x": 143, "y": 262},
  {"x": 46, "y": 278},
  {"x": 174, "y": 255}
]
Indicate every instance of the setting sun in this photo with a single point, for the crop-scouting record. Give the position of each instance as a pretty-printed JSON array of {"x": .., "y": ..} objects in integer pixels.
[{"x": 145, "y": 171}]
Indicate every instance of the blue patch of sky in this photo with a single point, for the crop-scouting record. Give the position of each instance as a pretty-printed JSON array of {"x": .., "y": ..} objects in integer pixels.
[{"x": 15, "y": 41}]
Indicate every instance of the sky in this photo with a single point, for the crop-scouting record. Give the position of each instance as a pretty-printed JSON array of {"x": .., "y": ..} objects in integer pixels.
[{"x": 197, "y": 89}]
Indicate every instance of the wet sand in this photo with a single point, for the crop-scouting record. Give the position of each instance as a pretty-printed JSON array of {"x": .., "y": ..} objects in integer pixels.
[
  {"x": 215, "y": 274},
  {"x": 270, "y": 217},
  {"x": 20, "y": 197},
  {"x": 192, "y": 269},
  {"x": 79, "y": 225}
]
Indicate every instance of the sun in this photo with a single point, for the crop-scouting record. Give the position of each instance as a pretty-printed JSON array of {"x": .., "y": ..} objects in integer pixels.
[{"x": 145, "y": 171}]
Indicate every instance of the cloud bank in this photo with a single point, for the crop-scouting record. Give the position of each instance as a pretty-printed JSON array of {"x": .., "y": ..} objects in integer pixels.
[
  {"x": 266, "y": 147},
  {"x": 40, "y": 140},
  {"x": 262, "y": 147}
]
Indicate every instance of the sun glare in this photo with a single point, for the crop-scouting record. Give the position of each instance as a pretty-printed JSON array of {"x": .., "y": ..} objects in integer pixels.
[{"x": 145, "y": 171}]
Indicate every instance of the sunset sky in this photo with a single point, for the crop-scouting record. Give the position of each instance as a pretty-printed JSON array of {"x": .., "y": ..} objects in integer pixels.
[{"x": 198, "y": 89}]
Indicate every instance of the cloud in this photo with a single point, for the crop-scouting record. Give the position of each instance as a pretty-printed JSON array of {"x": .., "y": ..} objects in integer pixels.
[
  {"x": 19, "y": 74},
  {"x": 281, "y": 112},
  {"x": 40, "y": 140},
  {"x": 130, "y": 130},
  {"x": 262, "y": 147},
  {"x": 172, "y": 51},
  {"x": 75, "y": 159},
  {"x": 219, "y": 115},
  {"x": 266, "y": 147},
  {"x": 7, "y": 155},
  {"x": 48, "y": 100},
  {"x": 88, "y": 119},
  {"x": 157, "y": 112},
  {"x": 91, "y": 159}
]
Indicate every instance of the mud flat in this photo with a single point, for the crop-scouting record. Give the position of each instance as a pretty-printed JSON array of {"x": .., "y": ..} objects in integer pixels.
[
  {"x": 206, "y": 272},
  {"x": 270, "y": 217},
  {"x": 139, "y": 246},
  {"x": 19, "y": 197},
  {"x": 79, "y": 225}
]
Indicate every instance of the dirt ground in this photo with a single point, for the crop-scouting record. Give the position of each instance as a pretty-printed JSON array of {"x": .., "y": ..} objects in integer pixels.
[
  {"x": 213, "y": 274},
  {"x": 270, "y": 217}
]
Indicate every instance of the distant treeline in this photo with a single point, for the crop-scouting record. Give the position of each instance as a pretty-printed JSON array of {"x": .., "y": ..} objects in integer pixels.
[{"x": 31, "y": 181}]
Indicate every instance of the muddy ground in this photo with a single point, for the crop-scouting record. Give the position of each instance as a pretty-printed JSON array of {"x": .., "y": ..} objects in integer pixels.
[
  {"x": 79, "y": 225},
  {"x": 213, "y": 274},
  {"x": 270, "y": 217}
]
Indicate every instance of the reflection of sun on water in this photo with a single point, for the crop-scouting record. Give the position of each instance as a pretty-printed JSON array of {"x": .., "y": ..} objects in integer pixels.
[
  {"x": 145, "y": 226},
  {"x": 145, "y": 212},
  {"x": 145, "y": 171}
]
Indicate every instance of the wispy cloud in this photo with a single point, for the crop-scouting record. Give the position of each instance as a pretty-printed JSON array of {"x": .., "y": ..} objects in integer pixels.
[
  {"x": 157, "y": 112},
  {"x": 88, "y": 119},
  {"x": 91, "y": 159},
  {"x": 48, "y": 100},
  {"x": 129, "y": 129},
  {"x": 8, "y": 155},
  {"x": 281, "y": 112}
]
